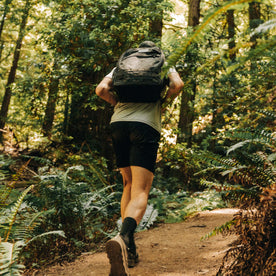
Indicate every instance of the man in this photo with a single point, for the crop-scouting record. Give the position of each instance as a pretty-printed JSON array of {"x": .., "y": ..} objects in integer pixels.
[{"x": 135, "y": 129}]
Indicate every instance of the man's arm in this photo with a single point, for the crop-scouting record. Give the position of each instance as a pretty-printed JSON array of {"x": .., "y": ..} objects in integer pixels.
[
  {"x": 175, "y": 86},
  {"x": 103, "y": 90}
]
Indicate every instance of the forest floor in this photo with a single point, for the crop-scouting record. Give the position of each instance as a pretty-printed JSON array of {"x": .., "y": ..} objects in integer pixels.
[{"x": 167, "y": 250}]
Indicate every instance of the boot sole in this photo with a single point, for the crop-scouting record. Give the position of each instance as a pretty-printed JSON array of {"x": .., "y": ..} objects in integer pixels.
[{"x": 117, "y": 254}]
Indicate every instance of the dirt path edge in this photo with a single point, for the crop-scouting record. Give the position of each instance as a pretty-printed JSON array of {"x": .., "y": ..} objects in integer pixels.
[{"x": 168, "y": 250}]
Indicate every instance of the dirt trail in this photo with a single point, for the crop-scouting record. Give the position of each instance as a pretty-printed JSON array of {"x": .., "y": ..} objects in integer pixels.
[{"x": 168, "y": 250}]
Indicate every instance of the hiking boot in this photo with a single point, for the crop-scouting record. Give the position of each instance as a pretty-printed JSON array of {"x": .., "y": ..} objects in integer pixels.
[
  {"x": 118, "y": 257},
  {"x": 133, "y": 259}
]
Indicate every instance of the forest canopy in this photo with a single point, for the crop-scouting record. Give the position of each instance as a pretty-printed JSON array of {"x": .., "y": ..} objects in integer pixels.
[{"x": 53, "y": 54}]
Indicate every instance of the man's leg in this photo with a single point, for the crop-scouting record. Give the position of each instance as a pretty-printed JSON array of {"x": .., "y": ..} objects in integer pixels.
[
  {"x": 135, "y": 209},
  {"x": 140, "y": 188},
  {"x": 127, "y": 182},
  {"x": 116, "y": 248}
]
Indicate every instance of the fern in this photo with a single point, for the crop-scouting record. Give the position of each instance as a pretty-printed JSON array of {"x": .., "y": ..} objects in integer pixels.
[
  {"x": 265, "y": 27},
  {"x": 21, "y": 232},
  {"x": 258, "y": 52},
  {"x": 253, "y": 172},
  {"x": 9, "y": 188},
  {"x": 197, "y": 34},
  {"x": 149, "y": 218},
  {"x": 25, "y": 230},
  {"x": 220, "y": 229},
  {"x": 9, "y": 255},
  {"x": 254, "y": 135},
  {"x": 43, "y": 235},
  {"x": 269, "y": 114},
  {"x": 10, "y": 220}
]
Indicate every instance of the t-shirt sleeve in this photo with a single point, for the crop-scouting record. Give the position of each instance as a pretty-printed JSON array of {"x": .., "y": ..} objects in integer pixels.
[
  {"x": 172, "y": 70},
  {"x": 110, "y": 75}
]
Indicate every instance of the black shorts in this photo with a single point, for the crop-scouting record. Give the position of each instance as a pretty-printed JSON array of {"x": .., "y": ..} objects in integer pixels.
[{"x": 135, "y": 144}]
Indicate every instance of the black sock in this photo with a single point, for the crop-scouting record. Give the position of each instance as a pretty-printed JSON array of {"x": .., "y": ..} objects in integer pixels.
[{"x": 127, "y": 232}]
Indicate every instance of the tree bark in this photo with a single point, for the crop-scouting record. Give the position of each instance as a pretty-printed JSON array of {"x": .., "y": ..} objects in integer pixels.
[
  {"x": 51, "y": 104},
  {"x": 254, "y": 20},
  {"x": 6, "y": 9},
  {"x": 12, "y": 73},
  {"x": 186, "y": 118},
  {"x": 231, "y": 33},
  {"x": 194, "y": 13},
  {"x": 156, "y": 27}
]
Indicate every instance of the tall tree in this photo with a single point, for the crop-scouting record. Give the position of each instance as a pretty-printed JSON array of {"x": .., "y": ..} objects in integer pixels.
[
  {"x": 51, "y": 102},
  {"x": 6, "y": 9},
  {"x": 156, "y": 25},
  {"x": 254, "y": 20},
  {"x": 231, "y": 34},
  {"x": 186, "y": 118},
  {"x": 12, "y": 73}
]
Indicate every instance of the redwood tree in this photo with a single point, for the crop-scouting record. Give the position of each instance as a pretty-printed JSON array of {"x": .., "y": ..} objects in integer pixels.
[
  {"x": 11, "y": 78},
  {"x": 187, "y": 99}
]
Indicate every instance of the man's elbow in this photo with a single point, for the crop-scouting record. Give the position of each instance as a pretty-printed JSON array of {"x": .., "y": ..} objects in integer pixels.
[
  {"x": 180, "y": 85},
  {"x": 102, "y": 89},
  {"x": 177, "y": 86},
  {"x": 99, "y": 91}
]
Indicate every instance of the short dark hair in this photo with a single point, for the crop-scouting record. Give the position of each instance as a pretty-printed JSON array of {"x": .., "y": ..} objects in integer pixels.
[{"x": 147, "y": 44}]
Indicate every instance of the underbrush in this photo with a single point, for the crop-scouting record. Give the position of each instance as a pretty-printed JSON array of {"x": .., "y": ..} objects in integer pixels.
[
  {"x": 74, "y": 206},
  {"x": 249, "y": 175}
]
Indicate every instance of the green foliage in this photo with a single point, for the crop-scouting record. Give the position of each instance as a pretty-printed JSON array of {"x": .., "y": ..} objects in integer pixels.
[
  {"x": 201, "y": 29},
  {"x": 250, "y": 184},
  {"x": 16, "y": 233},
  {"x": 77, "y": 206},
  {"x": 176, "y": 207},
  {"x": 10, "y": 219},
  {"x": 9, "y": 251},
  {"x": 9, "y": 255},
  {"x": 178, "y": 165},
  {"x": 79, "y": 209}
]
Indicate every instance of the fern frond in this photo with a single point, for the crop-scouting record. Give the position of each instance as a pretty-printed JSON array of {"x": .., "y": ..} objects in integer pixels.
[
  {"x": 220, "y": 229},
  {"x": 46, "y": 234},
  {"x": 259, "y": 51},
  {"x": 255, "y": 135},
  {"x": 99, "y": 175},
  {"x": 265, "y": 27},
  {"x": 11, "y": 219},
  {"x": 218, "y": 162},
  {"x": 236, "y": 146},
  {"x": 149, "y": 218},
  {"x": 26, "y": 230},
  {"x": 268, "y": 113},
  {"x": 9, "y": 253},
  {"x": 194, "y": 36},
  {"x": 10, "y": 187},
  {"x": 5, "y": 193}
]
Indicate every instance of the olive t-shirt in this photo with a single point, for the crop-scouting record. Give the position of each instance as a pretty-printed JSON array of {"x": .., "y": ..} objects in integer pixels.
[{"x": 148, "y": 113}]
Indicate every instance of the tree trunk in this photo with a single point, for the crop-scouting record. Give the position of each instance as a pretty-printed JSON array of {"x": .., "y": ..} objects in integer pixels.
[
  {"x": 231, "y": 34},
  {"x": 51, "y": 104},
  {"x": 6, "y": 9},
  {"x": 254, "y": 20},
  {"x": 12, "y": 73},
  {"x": 156, "y": 27},
  {"x": 66, "y": 114},
  {"x": 194, "y": 13},
  {"x": 186, "y": 118}
]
